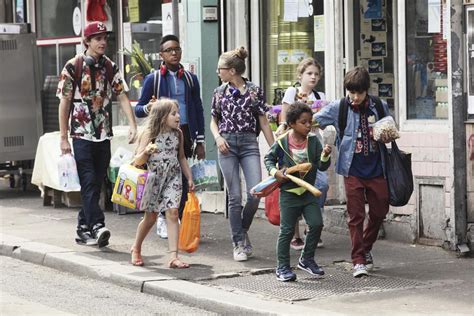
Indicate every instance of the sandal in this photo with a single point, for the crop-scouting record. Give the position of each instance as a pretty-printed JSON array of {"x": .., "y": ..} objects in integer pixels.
[
  {"x": 137, "y": 259},
  {"x": 177, "y": 264}
]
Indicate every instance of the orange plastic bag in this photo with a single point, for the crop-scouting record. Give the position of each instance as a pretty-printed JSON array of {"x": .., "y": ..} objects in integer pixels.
[
  {"x": 272, "y": 207},
  {"x": 190, "y": 231}
]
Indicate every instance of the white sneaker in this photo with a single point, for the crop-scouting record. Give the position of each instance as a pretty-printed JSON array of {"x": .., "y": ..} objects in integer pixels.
[
  {"x": 161, "y": 228},
  {"x": 359, "y": 270},
  {"x": 239, "y": 253}
]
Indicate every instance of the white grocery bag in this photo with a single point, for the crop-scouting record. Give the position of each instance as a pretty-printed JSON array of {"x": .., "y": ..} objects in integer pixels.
[
  {"x": 67, "y": 173},
  {"x": 121, "y": 156}
]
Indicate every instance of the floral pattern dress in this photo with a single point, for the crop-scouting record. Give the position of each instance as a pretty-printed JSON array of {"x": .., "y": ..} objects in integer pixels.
[{"x": 167, "y": 187}]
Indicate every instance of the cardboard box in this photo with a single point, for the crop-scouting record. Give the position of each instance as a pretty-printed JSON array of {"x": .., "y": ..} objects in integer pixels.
[{"x": 132, "y": 188}]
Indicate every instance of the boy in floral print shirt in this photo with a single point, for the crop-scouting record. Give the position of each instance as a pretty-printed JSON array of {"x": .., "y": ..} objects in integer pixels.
[{"x": 89, "y": 119}]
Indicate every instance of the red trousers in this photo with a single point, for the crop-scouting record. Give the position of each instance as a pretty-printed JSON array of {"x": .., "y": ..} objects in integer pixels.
[{"x": 376, "y": 192}]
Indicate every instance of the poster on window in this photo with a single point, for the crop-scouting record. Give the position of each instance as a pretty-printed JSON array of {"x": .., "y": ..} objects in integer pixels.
[
  {"x": 134, "y": 11},
  {"x": 319, "y": 33},
  {"x": 379, "y": 49},
  {"x": 372, "y": 9},
  {"x": 434, "y": 16},
  {"x": 297, "y": 55},
  {"x": 373, "y": 44},
  {"x": 378, "y": 25},
  {"x": 375, "y": 66},
  {"x": 283, "y": 57},
  {"x": 371, "y": 37},
  {"x": 290, "y": 11}
]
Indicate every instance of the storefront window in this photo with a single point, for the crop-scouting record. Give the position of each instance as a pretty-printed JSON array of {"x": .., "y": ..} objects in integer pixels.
[
  {"x": 427, "y": 61},
  {"x": 288, "y": 38},
  {"x": 142, "y": 24},
  {"x": 54, "y": 18},
  {"x": 49, "y": 77}
]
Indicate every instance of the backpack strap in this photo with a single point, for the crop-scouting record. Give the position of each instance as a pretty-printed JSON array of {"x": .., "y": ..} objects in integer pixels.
[
  {"x": 109, "y": 71},
  {"x": 76, "y": 83},
  {"x": 343, "y": 108},
  {"x": 189, "y": 79},
  {"x": 378, "y": 106},
  {"x": 156, "y": 83},
  {"x": 316, "y": 95}
]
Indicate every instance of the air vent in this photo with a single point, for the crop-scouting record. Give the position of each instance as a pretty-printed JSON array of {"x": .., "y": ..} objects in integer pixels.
[
  {"x": 8, "y": 45},
  {"x": 13, "y": 141}
]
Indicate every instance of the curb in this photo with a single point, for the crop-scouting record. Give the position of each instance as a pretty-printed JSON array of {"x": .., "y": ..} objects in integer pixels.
[{"x": 149, "y": 282}]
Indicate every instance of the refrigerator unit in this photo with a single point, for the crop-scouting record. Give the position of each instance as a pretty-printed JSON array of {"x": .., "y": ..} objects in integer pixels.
[{"x": 20, "y": 105}]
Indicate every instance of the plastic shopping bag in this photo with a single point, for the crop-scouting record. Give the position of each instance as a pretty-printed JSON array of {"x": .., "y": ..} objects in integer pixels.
[
  {"x": 385, "y": 130},
  {"x": 399, "y": 175},
  {"x": 272, "y": 207},
  {"x": 120, "y": 157},
  {"x": 67, "y": 172},
  {"x": 204, "y": 173},
  {"x": 190, "y": 231}
]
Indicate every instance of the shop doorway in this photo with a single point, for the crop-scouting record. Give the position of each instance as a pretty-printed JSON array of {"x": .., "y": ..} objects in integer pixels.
[
  {"x": 369, "y": 42},
  {"x": 469, "y": 38}
]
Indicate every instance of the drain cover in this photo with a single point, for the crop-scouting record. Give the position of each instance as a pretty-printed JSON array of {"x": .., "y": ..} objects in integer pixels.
[{"x": 335, "y": 282}]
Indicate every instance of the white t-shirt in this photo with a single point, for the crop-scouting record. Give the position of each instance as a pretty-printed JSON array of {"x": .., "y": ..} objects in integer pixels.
[{"x": 290, "y": 95}]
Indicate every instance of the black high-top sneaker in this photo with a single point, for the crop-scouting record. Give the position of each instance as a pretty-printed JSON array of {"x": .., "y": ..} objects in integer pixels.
[
  {"x": 84, "y": 236},
  {"x": 101, "y": 234}
]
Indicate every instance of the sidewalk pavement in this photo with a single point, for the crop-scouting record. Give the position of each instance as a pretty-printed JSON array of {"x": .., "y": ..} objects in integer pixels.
[{"x": 408, "y": 279}]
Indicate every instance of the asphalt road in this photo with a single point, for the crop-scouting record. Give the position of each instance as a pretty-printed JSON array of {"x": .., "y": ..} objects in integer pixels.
[{"x": 29, "y": 289}]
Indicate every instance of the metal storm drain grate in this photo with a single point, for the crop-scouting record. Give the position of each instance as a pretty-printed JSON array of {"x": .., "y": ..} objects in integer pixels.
[{"x": 335, "y": 282}]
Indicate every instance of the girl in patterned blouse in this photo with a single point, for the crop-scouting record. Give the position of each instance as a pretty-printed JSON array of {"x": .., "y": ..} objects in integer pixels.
[
  {"x": 161, "y": 148},
  {"x": 238, "y": 112}
]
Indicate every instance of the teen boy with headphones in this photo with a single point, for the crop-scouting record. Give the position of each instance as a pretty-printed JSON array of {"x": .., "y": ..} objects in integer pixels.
[
  {"x": 172, "y": 81},
  {"x": 85, "y": 89}
]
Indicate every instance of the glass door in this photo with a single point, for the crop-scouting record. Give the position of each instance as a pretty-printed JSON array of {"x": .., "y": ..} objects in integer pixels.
[
  {"x": 470, "y": 59},
  {"x": 368, "y": 42}
]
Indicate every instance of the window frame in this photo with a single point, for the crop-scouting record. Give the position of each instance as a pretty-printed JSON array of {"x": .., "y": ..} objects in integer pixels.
[{"x": 416, "y": 125}]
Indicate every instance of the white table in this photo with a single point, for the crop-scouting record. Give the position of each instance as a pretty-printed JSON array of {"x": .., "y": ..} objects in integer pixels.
[{"x": 45, "y": 170}]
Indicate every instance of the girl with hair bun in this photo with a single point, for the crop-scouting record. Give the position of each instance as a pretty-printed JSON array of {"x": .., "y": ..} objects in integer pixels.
[{"x": 238, "y": 114}]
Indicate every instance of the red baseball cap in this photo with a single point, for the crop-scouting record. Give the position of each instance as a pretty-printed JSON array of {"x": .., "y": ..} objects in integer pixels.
[{"x": 94, "y": 28}]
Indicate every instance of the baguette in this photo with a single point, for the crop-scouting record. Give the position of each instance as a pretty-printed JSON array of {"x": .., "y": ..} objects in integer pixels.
[
  {"x": 302, "y": 167},
  {"x": 304, "y": 184}
]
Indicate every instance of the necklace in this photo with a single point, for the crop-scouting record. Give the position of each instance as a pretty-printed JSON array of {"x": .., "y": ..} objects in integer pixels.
[{"x": 241, "y": 88}]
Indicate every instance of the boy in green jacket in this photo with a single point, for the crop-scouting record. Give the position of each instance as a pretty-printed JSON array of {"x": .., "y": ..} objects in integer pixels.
[{"x": 297, "y": 146}]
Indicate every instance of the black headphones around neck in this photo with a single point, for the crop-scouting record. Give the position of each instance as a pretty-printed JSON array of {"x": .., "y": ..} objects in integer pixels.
[{"x": 91, "y": 62}]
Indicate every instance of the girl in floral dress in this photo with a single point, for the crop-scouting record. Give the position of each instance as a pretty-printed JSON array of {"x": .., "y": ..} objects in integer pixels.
[{"x": 161, "y": 148}]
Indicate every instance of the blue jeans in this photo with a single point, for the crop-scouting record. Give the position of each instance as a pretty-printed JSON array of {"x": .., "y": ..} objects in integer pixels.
[
  {"x": 92, "y": 160},
  {"x": 243, "y": 152}
]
